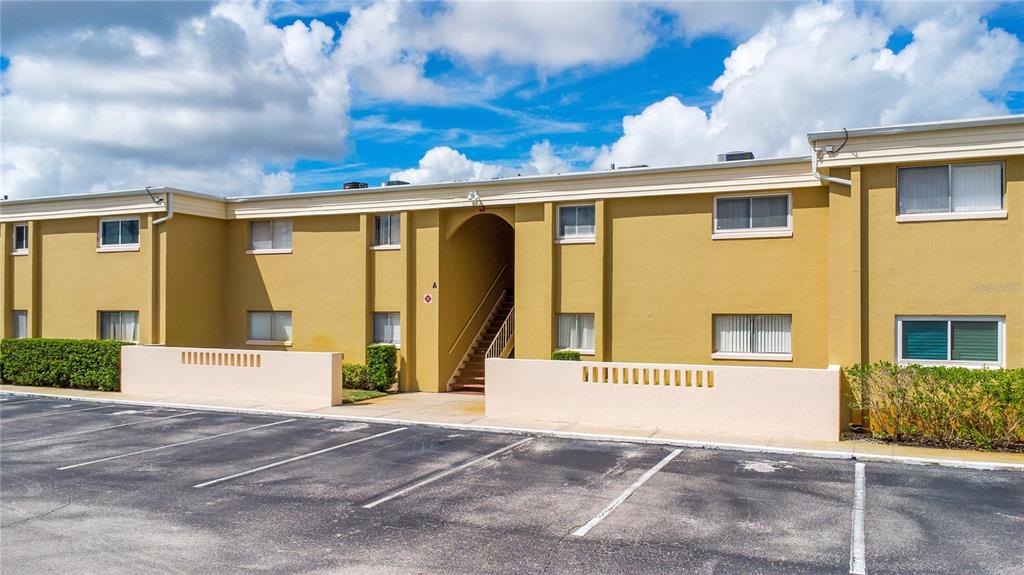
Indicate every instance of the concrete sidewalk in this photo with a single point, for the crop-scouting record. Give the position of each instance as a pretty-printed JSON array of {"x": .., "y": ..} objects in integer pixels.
[{"x": 464, "y": 411}]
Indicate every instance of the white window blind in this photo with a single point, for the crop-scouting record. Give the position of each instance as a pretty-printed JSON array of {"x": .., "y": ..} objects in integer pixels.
[
  {"x": 119, "y": 325},
  {"x": 270, "y": 325},
  {"x": 576, "y": 221},
  {"x": 977, "y": 187},
  {"x": 950, "y": 188},
  {"x": 751, "y": 213},
  {"x": 387, "y": 230},
  {"x": 270, "y": 235},
  {"x": 576, "y": 331},
  {"x": 753, "y": 333},
  {"x": 19, "y": 323},
  {"x": 387, "y": 328}
]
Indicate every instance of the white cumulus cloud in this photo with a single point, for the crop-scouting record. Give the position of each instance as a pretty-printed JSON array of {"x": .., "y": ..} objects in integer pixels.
[
  {"x": 209, "y": 107},
  {"x": 445, "y": 164},
  {"x": 827, "y": 66}
]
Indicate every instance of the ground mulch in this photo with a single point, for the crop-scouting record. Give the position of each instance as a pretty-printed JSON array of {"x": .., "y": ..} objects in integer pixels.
[{"x": 931, "y": 443}]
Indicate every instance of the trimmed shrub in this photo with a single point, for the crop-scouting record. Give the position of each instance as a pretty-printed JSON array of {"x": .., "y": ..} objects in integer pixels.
[
  {"x": 354, "y": 376},
  {"x": 566, "y": 355},
  {"x": 952, "y": 406},
  {"x": 78, "y": 363},
  {"x": 381, "y": 366}
]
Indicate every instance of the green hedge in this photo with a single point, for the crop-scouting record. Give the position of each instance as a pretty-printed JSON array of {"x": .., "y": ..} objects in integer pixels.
[
  {"x": 566, "y": 355},
  {"x": 354, "y": 376},
  {"x": 381, "y": 366},
  {"x": 78, "y": 363},
  {"x": 951, "y": 406}
]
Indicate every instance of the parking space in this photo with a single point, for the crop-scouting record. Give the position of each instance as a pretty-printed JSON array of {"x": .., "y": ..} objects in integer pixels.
[{"x": 120, "y": 489}]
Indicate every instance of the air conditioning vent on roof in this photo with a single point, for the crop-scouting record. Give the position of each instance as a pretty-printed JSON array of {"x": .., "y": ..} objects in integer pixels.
[
  {"x": 734, "y": 156},
  {"x": 396, "y": 183},
  {"x": 355, "y": 185}
]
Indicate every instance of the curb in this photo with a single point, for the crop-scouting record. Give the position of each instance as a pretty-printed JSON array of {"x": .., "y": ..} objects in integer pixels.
[{"x": 742, "y": 447}]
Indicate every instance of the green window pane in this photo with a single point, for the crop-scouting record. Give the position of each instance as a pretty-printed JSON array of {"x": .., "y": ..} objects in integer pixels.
[
  {"x": 925, "y": 340},
  {"x": 976, "y": 340},
  {"x": 130, "y": 231},
  {"x": 110, "y": 233}
]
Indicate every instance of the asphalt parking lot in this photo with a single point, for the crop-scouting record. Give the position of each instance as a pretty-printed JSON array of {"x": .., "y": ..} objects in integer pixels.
[{"x": 101, "y": 488}]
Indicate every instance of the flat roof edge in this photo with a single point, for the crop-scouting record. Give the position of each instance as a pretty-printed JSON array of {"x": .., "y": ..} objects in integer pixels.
[
  {"x": 569, "y": 176},
  {"x": 111, "y": 194},
  {"x": 918, "y": 127}
]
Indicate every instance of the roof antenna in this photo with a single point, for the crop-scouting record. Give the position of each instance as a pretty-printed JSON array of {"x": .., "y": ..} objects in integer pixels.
[{"x": 155, "y": 199}]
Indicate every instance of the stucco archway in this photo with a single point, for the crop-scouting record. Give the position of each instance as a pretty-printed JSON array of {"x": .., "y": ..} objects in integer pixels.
[{"x": 477, "y": 276}]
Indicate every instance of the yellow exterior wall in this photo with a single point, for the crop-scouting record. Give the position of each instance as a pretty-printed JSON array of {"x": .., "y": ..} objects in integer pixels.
[
  {"x": 76, "y": 281},
  {"x": 968, "y": 267},
  {"x": 424, "y": 229},
  {"x": 194, "y": 284},
  {"x": 668, "y": 277},
  {"x": 534, "y": 280},
  {"x": 322, "y": 282}
]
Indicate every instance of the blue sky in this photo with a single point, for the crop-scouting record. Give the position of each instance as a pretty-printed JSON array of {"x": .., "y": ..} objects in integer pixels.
[{"x": 238, "y": 99}]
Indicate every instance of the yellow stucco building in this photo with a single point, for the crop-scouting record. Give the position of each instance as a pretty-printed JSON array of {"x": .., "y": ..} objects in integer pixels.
[{"x": 900, "y": 243}]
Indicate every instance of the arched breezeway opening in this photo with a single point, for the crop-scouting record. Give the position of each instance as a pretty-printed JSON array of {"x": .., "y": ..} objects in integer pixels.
[{"x": 477, "y": 311}]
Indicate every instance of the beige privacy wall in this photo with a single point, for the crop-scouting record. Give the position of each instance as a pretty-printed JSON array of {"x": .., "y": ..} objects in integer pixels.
[
  {"x": 283, "y": 377},
  {"x": 753, "y": 403}
]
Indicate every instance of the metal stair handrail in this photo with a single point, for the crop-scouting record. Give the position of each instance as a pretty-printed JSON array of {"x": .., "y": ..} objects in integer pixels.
[{"x": 508, "y": 329}]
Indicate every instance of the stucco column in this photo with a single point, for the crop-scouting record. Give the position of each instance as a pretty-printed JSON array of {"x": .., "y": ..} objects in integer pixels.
[
  {"x": 35, "y": 254},
  {"x": 407, "y": 317},
  {"x": 601, "y": 318},
  {"x": 367, "y": 226},
  {"x": 6, "y": 281},
  {"x": 844, "y": 270},
  {"x": 426, "y": 229},
  {"x": 534, "y": 285}
]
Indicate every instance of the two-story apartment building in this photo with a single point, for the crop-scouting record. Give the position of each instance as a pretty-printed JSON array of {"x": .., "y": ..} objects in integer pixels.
[{"x": 901, "y": 243}]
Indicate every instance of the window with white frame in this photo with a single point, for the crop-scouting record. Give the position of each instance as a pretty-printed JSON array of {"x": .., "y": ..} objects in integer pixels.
[
  {"x": 966, "y": 341},
  {"x": 387, "y": 230},
  {"x": 387, "y": 328},
  {"x": 576, "y": 331},
  {"x": 275, "y": 326},
  {"x": 950, "y": 188},
  {"x": 119, "y": 233},
  {"x": 270, "y": 236},
  {"x": 19, "y": 324},
  {"x": 753, "y": 215},
  {"x": 753, "y": 336},
  {"x": 119, "y": 325},
  {"x": 20, "y": 239},
  {"x": 576, "y": 222}
]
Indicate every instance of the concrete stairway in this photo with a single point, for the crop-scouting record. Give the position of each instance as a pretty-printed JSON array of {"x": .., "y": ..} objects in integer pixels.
[{"x": 471, "y": 378}]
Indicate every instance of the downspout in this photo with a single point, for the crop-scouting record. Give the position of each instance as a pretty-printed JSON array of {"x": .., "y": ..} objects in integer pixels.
[
  {"x": 169, "y": 200},
  {"x": 814, "y": 171}
]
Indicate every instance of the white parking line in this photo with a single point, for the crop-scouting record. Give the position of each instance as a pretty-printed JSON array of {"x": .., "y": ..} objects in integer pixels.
[
  {"x": 857, "y": 566},
  {"x": 625, "y": 494},
  {"x": 95, "y": 429},
  {"x": 23, "y": 401},
  {"x": 298, "y": 457},
  {"x": 197, "y": 440},
  {"x": 434, "y": 478},
  {"x": 55, "y": 412}
]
